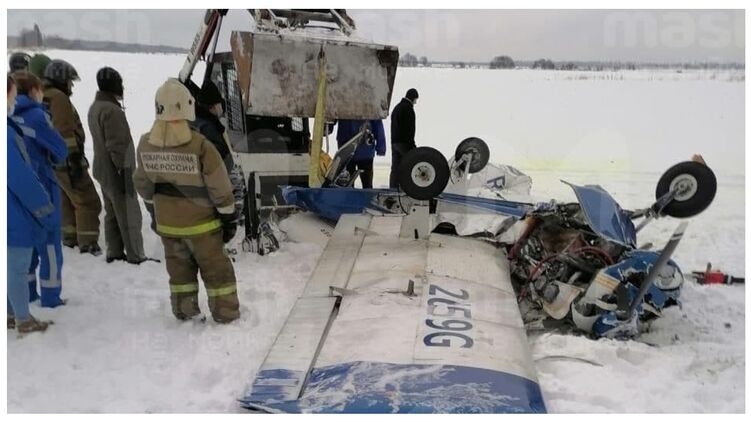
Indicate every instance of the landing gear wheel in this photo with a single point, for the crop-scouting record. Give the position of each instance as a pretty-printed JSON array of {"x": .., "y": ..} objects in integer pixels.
[
  {"x": 423, "y": 173},
  {"x": 479, "y": 151},
  {"x": 696, "y": 184}
]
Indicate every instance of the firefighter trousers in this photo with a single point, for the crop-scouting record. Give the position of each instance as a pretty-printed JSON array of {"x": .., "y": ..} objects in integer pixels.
[
  {"x": 185, "y": 257},
  {"x": 80, "y": 206}
]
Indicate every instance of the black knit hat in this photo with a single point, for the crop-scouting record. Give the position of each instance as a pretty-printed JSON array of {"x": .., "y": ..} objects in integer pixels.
[
  {"x": 412, "y": 94},
  {"x": 109, "y": 80},
  {"x": 209, "y": 94}
]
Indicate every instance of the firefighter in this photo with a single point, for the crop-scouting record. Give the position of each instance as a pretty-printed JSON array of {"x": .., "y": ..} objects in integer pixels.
[
  {"x": 80, "y": 202},
  {"x": 114, "y": 163},
  {"x": 38, "y": 63},
  {"x": 19, "y": 61},
  {"x": 187, "y": 191}
]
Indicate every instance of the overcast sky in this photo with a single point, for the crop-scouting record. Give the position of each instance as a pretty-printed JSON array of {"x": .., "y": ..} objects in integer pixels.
[{"x": 469, "y": 35}]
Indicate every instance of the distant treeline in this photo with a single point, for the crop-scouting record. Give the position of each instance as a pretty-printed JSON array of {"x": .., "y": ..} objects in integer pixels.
[
  {"x": 34, "y": 39},
  {"x": 506, "y": 62}
]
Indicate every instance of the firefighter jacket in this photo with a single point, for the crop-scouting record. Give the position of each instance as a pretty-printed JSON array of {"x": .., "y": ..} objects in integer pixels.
[{"x": 181, "y": 173}]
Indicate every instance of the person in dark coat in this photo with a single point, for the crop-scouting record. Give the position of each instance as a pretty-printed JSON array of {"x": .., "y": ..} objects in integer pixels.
[
  {"x": 114, "y": 164},
  {"x": 364, "y": 154},
  {"x": 209, "y": 106},
  {"x": 402, "y": 133}
]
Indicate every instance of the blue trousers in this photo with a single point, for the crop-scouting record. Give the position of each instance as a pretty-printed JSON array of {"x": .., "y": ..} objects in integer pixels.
[
  {"x": 18, "y": 291},
  {"x": 32, "y": 277},
  {"x": 50, "y": 256}
]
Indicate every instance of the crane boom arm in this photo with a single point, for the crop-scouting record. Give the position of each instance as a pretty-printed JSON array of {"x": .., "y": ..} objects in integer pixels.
[{"x": 209, "y": 26}]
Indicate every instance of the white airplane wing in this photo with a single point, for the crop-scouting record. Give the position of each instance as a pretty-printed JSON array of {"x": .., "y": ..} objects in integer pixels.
[{"x": 388, "y": 324}]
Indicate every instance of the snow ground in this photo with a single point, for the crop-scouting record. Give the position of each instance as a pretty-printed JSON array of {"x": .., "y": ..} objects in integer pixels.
[{"x": 116, "y": 348}]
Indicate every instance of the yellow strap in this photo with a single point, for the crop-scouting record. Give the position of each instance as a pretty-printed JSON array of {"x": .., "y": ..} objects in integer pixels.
[
  {"x": 222, "y": 291},
  {"x": 183, "y": 288},
  {"x": 315, "y": 178},
  {"x": 190, "y": 230}
]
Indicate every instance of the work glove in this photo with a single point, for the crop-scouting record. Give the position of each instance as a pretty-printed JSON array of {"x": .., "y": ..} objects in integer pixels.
[
  {"x": 229, "y": 226},
  {"x": 150, "y": 209}
]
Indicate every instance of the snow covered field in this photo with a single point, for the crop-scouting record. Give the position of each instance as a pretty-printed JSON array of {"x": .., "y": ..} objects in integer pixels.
[{"x": 116, "y": 348}]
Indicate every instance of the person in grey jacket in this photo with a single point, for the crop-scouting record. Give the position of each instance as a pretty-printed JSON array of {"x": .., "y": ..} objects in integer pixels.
[{"x": 114, "y": 163}]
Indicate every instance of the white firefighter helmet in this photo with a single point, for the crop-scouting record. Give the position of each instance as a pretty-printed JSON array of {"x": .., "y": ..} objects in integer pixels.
[{"x": 174, "y": 102}]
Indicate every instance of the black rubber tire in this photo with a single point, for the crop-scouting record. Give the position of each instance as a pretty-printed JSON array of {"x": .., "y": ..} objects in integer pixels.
[
  {"x": 479, "y": 150},
  {"x": 437, "y": 165},
  {"x": 706, "y": 188}
]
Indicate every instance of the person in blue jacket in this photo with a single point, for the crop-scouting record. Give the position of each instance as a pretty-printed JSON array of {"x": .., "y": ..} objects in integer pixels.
[
  {"x": 30, "y": 215},
  {"x": 363, "y": 157},
  {"x": 46, "y": 148}
]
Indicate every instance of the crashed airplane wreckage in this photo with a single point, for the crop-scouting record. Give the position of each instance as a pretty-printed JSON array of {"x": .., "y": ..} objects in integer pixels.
[
  {"x": 403, "y": 314},
  {"x": 400, "y": 314},
  {"x": 576, "y": 262}
]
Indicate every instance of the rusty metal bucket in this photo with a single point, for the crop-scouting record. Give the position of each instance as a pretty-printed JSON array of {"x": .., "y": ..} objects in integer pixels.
[{"x": 279, "y": 73}]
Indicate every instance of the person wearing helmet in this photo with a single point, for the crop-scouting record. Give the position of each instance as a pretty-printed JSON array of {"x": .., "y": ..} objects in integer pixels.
[
  {"x": 38, "y": 64},
  {"x": 185, "y": 186},
  {"x": 19, "y": 61},
  {"x": 114, "y": 163},
  {"x": 80, "y": 202}
]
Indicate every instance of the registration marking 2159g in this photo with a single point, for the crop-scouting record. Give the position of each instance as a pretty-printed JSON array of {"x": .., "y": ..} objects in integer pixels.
[{"x": 450, "y": 321}]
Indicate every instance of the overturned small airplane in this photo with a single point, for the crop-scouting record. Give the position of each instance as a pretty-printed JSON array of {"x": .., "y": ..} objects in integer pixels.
[
  {"x": 411, "y": 310},
  {"x": 415, "y": 303}
]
